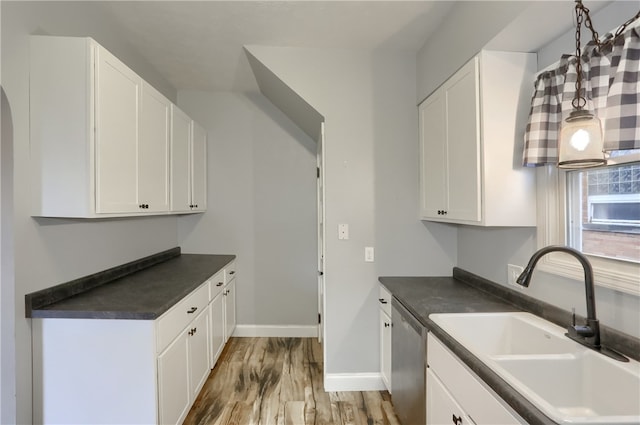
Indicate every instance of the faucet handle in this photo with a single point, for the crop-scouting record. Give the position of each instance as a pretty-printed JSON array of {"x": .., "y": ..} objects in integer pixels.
[
  {"x": 573, "y": 316},
  {"x": 583, "y": 331}
]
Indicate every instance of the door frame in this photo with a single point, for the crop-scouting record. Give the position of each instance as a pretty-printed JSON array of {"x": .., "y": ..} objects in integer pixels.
[{"x": 320, "y": 197}]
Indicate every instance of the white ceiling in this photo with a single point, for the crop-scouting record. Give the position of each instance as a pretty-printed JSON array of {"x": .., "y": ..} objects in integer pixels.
[{"x": 198, "y": 44}]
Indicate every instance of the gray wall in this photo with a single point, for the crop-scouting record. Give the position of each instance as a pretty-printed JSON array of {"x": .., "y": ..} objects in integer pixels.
[
  {"x": 262, "y": 205},
  {"x": 469, "y": 26},
  {"x": 371, "y": 152},
  {"x": 45, "y": 252},
  {"x": 515, "y": 246}
]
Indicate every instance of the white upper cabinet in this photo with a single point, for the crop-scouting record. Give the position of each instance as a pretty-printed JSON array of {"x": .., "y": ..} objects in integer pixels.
[
  {"x": 188, "y": 164},
  {"x": 471, "y": 137},
  {"x": 198, "y": 168},
  {"x": 153, "y": 150},
  {"x": 433, "y": 153},
  {"x": 180, "y": 160},
  {"x": 117, "y": 102},
  {"x": 100, "y": 135}
]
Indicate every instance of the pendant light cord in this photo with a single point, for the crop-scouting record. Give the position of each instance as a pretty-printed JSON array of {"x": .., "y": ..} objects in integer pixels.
[
  {"x": 582, "y": 15},
  {"x": 578, "y": 101}
]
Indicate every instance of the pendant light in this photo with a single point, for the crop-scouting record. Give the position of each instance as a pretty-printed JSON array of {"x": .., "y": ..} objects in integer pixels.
[{"x": 581, "y": 143}]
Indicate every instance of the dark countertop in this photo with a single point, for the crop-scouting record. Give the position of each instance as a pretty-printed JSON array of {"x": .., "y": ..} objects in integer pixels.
[
  {"x": 423, "y": 296},
  {"x": 468, "y": 293},
  {"x": 143, "y": 294}
]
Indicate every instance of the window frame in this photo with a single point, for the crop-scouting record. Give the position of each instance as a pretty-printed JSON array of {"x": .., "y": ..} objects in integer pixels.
[
  {"x": 552, "y": 209},
  {"x": 617, "y": 199}
]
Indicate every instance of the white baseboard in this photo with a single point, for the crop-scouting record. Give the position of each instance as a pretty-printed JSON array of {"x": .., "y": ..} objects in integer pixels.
[
  {"x": 353, "y": 382},
  {"x": 291, "y": 331}
]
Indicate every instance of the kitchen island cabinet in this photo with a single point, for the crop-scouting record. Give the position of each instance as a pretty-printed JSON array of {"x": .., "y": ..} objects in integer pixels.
[{"x": 135, "y": 349}]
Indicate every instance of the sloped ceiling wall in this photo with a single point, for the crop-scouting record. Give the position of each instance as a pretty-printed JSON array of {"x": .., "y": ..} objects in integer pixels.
[{"x": 285, "y": 98}]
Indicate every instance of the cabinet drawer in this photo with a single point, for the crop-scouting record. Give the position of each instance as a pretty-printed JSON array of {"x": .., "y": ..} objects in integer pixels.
[
  {"x": 384, "y": 300},
  {"x": 180, "y": 315},
  {"x": 229, "y": 272},
  {"x": 479, "y": 402},
  {"x": 216, "y": 283}
]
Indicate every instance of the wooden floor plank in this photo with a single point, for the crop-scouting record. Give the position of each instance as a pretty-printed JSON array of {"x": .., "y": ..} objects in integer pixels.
[
  {"x": 389, "y": 414},
  {"x": 279, "y": 381},
  {"x": 294, "y": 413},
  {"x": 373, "y": 405}
]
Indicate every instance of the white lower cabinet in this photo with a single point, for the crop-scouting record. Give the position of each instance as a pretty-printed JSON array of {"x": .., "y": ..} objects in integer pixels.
[
  {"x": 385, "y": 327},
  {"x": 199, "y": 352},
  {"x": 173, "y": 381},
  {"x": 217, "y": 328},
  {"x": 455, "y": 395},
  {"x": 229, "y": 309},
  {"x": 385, "y": 349},
  {"x": 150, "y": 371},
  {"x": 183, "y": 367},
  {"x": 222, "y": 310},
  {"x": 442, "y": 408}
]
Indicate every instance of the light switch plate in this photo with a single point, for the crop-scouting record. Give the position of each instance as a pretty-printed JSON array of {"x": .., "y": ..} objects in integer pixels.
[{"x": 368, "y": 254}]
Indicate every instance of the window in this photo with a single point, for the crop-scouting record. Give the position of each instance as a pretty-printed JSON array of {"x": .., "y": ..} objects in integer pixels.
[
  {"x": 603, "y": 208},
  {"x": 596, "y": 211}
]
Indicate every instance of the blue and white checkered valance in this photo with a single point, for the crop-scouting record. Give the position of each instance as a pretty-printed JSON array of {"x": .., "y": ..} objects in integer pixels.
[{"x": 611, "y": 84}]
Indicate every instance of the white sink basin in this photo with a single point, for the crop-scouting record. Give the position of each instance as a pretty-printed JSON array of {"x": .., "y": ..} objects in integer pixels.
[
  {"x": 567, "y": 381},
  {"x": 505, "y": 333},
  {"x": 580, "y": 385}
]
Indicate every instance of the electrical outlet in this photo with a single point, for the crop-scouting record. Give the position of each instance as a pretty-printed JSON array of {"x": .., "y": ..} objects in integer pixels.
[
  {"x": 343, "y": 232},
  {"x": 513, "y": 272}
]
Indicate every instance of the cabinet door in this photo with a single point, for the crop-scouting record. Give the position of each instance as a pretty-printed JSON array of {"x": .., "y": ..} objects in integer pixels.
[
  {"x": 433, "y": 180},
  {"x": 199, "y": 369},
  {"x": 173, "y": 381},
  {"x": 217, "y": 327},
  {"x": 230, "y": 309},
  {"x": 442, "y": 408},
  {"x": 198, "y": 169},
  {"x": 463, "y": 144},
  {"x": 385, "y": 349},
  {"x": 153, "y": 151},
  {"x": 180, "y": 160},
  {"x": 117, "y": 99}
]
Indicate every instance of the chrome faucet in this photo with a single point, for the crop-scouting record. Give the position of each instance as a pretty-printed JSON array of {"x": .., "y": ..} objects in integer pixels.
[{"x": 589, "y": 333}]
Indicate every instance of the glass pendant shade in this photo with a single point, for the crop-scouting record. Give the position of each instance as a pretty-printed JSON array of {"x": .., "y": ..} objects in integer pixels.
[{"x": 581, "y": 144}]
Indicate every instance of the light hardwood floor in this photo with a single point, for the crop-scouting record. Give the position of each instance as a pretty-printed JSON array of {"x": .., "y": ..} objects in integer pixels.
[{"x": 278, "y": 381}]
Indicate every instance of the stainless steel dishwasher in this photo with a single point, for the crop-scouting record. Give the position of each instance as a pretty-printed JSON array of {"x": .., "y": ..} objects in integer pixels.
[{"x": 408, "y": 344}]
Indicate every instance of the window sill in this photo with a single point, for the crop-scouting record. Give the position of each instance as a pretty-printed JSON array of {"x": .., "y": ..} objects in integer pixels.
[
  {"x": 612, "y": 228},
  {"x": 620, "y": 276}
]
